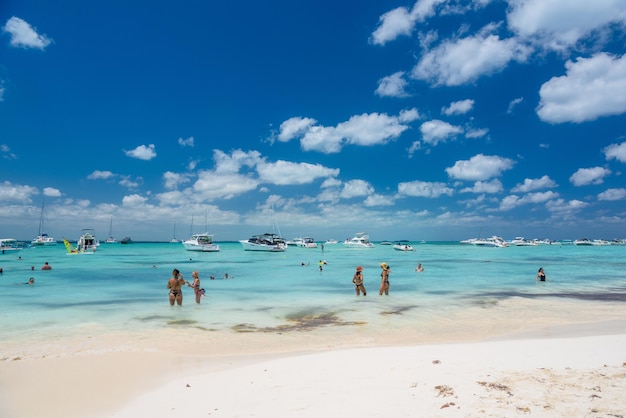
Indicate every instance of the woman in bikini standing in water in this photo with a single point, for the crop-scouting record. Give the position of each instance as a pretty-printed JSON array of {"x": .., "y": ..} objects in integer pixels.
[
  {"x": 384, "y": 279},
  {"x": 357, "y": 279},
  {"x": 175, "y": 284},
  {"x": 196, "y": 285}
]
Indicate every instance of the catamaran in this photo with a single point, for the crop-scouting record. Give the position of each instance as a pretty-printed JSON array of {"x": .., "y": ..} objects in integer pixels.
[{"x": 43, "y": 238}]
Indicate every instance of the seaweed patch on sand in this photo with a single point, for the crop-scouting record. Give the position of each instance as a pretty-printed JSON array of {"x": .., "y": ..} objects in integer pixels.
[
  {"x": 399, "y": 311},
  {"x": 299, "y": 322}
]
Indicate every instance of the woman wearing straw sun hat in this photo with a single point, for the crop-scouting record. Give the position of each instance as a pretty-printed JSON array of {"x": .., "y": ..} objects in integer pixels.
[
  {"x": 357, "y": 279},
  {"x": 384, "y": 279}
]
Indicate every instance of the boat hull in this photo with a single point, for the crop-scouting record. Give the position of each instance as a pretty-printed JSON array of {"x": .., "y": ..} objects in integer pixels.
[
  {"x": 209, "y": 248},
  {"x": 273, "y": 248}
]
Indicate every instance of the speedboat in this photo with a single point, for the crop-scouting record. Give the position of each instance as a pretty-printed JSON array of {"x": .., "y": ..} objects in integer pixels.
[
  {"x": 264, "y": 242},
  {"x": 87, "y": 241},
  {"x": 583, "y": 241},
  {"x": 294, "y": 242},
  {"x": 494, "y": 241},
  {"x": 308, "y": 242},
  {"x": 403, "y": 246},
  {"x": 523, "y": 242},
  {"x": 201, "y": 242},
  {"x": 9, "y": 246},
  {"x": 126, "y": 240},
  {"x": 331, "y": 242},
  {"x": 360, "y": 240}
]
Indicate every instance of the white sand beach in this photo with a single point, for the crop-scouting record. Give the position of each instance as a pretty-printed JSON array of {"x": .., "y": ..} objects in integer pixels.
[{"x": 575, "y": 368}]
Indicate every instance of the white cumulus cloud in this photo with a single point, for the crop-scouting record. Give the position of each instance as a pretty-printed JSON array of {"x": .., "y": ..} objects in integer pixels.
[
  {"x": 392, "y": 86},
  {"x": 424, "y": 189},
  {"x": 480, "y": 167},
  {"x": 561, "y": 24},
  {"x": 617, "y": 151},
  {"x": 586, "y": 92},
  {"x": 586, "y": 176},
  {"x": 24, "y": 35},
  {"x": 367, "y": 129},
  {"x": 529, "y": 185},
  {"x": 458, "y": 108},
  {"x": 613, "y": 194},
  {"x": 459, "y": 61},
  {"x": 435, "y": 131},
  {"x": 142, "y": 152}
]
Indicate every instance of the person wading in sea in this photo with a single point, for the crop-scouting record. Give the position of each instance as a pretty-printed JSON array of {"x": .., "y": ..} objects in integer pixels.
[{"x": 357, "y": 279}]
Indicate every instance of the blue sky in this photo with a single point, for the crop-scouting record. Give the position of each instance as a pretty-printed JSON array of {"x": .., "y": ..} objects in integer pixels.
[{"x": 434, "y": 120}]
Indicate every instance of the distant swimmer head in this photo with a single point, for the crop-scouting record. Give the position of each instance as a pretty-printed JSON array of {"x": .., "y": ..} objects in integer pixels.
[{"x": 383, "y": 265}]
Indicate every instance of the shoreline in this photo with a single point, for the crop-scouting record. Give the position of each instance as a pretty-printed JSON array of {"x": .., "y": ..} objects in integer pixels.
[{"x": 110, "y": 374}]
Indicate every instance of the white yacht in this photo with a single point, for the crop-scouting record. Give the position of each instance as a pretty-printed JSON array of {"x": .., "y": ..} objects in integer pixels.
[
  {"x": 87, "y": 241},
  {"x": 359, "y": 240},
  {"x": 201, "y": 242},
  {"x": 306, "y": 242},
  {"x": 264, "y": 242},
  {"x": 494, "y": 241}
]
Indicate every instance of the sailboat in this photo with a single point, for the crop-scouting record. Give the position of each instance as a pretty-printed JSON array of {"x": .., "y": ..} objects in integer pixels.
[
  {"x": 42, "y": 239},
  {"x": 110, "y": 240},
  {"x": 174, "y": 240}
]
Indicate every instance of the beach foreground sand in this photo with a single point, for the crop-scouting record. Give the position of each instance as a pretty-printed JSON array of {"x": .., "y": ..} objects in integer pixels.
[{"x": 579, "y": 375}]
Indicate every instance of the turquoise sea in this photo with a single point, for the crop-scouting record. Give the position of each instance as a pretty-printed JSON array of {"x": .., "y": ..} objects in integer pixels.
[{"x": 123, "y": 287}]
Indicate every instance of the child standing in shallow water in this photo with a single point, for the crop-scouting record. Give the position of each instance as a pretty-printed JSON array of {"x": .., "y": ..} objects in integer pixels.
[{"x": 357, "y": 279}]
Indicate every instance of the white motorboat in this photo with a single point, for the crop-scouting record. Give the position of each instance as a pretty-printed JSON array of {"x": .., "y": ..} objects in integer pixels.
[
  {"x": 360, "y": 240},
  {"x": 493, "y": 241},
  {"x": 9, "y": 246},
  {"x": 294, "y": 242},
  {"x": 42, "y": 239},
  {"x": 264, "y": 242},
  {"x": 403, "y": 246},
  {"x": 87, "y": 242},
  {"x": 523, "y": 242},
  {"x": 469, "y": 241},
  {"x": 583, "y": 241},
  {"x": 306, "y": 242},
  {"x": 331, "y": 242},
  {"x": 201, "y": 242},
  {"x": 601, "y": 242}
]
